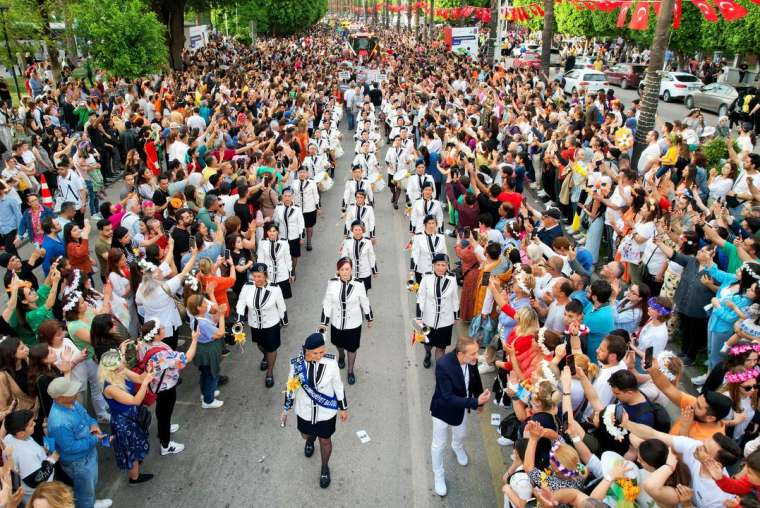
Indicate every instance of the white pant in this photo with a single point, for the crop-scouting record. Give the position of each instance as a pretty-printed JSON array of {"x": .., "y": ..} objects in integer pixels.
[{"x": 440, "y": 431}]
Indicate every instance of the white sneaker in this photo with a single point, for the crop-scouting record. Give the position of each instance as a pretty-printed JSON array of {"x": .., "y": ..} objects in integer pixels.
[
  {"x": 485, "y": 368},
  {"x": 699, "y": 380},
  {"x": 104, "y": 419},
  {"x": 503, "y": 441},
  {"x": 542, "y": 193},
  {"x": 533, "y": 185},
  {"x": 215, "y": 404},
  {"x": 461, "y": 456},
  {"x": 103, "y": 503},
  {"x": 440, "y": 485},
  {"x": 174, "y": 427},
  {"x": 172, "y": 448},
  {"x": 216, "y": 394}
]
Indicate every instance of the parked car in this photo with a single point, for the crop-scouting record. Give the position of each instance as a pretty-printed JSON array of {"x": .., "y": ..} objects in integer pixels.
[
  {"x": 627, "y": 75},
  {"x": 582, "y": 79},
  {"x": 716, "y": 97},
  {"x": 528, "y": 61},
  {"x": 528, "y": 47},
  {"x": 676, "y": 85},
  {"x": 584, "y": 62}
]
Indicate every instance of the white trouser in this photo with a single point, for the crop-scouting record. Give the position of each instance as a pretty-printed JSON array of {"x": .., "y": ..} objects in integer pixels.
[{"x": 440, "y": 431}]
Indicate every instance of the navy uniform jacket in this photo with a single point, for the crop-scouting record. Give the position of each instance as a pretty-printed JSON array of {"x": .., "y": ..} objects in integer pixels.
[{"x": 450, "y": 398}]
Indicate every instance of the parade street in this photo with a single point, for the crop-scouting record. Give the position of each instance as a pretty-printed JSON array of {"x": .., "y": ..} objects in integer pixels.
[{"x": 239, "y": 455}]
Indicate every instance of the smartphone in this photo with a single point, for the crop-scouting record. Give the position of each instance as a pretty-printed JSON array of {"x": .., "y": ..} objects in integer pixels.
[
  {"x": 648, "y": 354},
  {"x": 15, "y": 481},
  {"x": 106, "y": 441},
  {"x": 227, "y": 254},
  {"x": 196, "y": 325},
  {"x": 619, "y": 412},
  {"x": 486, "y": 279},
  {"x": 570, "y": 360}
]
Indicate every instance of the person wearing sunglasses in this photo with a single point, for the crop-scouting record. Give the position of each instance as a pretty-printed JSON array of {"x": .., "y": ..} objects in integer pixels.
[{"x": 740, "y": 384}]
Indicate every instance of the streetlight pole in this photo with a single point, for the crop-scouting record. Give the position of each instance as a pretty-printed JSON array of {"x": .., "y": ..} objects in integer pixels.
[{"x": 3, "y": 10}]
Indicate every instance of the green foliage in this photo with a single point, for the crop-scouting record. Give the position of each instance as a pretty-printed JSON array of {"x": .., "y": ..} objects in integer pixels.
[
  {"x": 281, "y": 16},
  {"x": 24, "y": 26},
  {"x": 534, "y": 23},
  {"x": 572, "y": 21},
  {"x": 448, "y": 4},
  {"x": 124, "y": 37},
  {"x": 716, "y": 151}
]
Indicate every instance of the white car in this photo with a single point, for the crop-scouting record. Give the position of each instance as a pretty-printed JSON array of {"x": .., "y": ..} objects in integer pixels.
[
  {"x": 676, "y": 85},
  {"x": 583, "y": 79},
  {"x": 529, "y": 47}
]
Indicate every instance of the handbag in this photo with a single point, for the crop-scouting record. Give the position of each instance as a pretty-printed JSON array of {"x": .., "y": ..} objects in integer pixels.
[
  {"x": 143, "y": 418},
  {"x": 482, "y": 330},
  {"x": 177, "y": 301}
]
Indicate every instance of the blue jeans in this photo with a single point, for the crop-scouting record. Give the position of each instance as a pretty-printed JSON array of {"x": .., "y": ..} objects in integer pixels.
[
  {"x": 84, "y": 474},
  {"x": 350, "y": 118},
  {"x": 92, "y": 198},
  {"x": 208, "y": 383},
  {"x": 715, "y": 341}
]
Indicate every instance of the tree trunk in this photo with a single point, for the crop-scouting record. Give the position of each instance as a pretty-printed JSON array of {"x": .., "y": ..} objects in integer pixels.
[
  {"x": 398, "y": 17},
  {"x": 493, "y": 36},
  {"x": 547, "y": 35},
  {"x": 430, "y": 17},
  {"x": 416, "y": 18},
  {"x": 651, "y": 94},
  {"x": 172, "y": 14}
]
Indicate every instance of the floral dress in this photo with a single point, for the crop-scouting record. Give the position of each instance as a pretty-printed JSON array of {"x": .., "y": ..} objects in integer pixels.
[{"x": 129, "y": 443}]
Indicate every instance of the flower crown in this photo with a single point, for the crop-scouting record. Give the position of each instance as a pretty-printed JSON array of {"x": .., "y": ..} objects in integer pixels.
[
  {"x": 661, "y": 309},
  {"x": 547, "y": 374},
  {"x": 744, "y": 348},
  {"x": 740, "y": 377},
  {"x": 662, "y": 358},
  {"x": 613, "y": 430},
  {"x": 146, "y": 266},
  {"x": 192, "y": 281},
  {"x": 111, "y": 359},
  {"x": 148, "y": 337},
  {"x": 73, "y": 301},
  {"x": 582, "y": 330},
  {"x": 74, "y": 283},
  {"x": 564, "y": 471},
  {"x": 749, "y": 271},
  {"x": 540, "y": 341}
]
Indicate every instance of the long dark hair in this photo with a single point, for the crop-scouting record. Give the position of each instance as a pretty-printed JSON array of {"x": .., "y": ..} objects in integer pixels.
[
  {"x": 67, "y": 239},
  {"x": 644, "y": 294},
  {"x": 8, "y": 348},
  {"x": 100, "y": 332},
  {"x": 38, "y": 367}
]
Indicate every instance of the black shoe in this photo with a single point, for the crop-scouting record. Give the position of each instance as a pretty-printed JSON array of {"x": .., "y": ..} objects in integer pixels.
[
  {"x": 269, "y": 382},
  {"x": 144, "y": 477},
  {"x": 351, "y": 378},
  {"x": 225, "y": 352},
  {"x": 324, "y": 478},
  {"x": 308, "y": 246},
  {"x": 308, "y": 449},
  {"x": 341, "y": 363},
  {"x": 223, "y": 380},
  {"x": 395, "y": 206},
  {"x": 426, "y": 361},
  {"x": 264, "y": 365}
]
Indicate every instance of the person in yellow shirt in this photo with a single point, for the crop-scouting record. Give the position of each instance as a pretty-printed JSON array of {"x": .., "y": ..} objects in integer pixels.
[
  {"x": 671, "y": 155},
  {"x": 701, "y": 416}
]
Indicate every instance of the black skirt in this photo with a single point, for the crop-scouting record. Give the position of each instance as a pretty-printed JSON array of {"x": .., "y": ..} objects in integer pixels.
[
  {"x": 440, "y": 337},
  {"x": 267, "y": 338},
  {"x": 285, "y": 288},
  {"x": 346, "y": 339},
  {"x": 295, "y": 248},
  {"x": 324, "y": 429},
  {"x": 367, "y": 283},
  {"x": 310, "y": 218}
]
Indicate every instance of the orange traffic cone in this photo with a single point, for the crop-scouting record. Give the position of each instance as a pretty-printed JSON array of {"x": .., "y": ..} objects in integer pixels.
[{"x": 47, "y": 198}]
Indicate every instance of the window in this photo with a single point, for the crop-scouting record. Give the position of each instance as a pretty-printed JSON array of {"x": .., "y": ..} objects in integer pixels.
[
  {"x": 686, "y": 78},
  {"x": 594, "y": 77}
]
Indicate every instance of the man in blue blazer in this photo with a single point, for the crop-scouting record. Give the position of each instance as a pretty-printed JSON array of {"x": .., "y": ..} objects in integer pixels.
[{"x": 458, "y": 388}]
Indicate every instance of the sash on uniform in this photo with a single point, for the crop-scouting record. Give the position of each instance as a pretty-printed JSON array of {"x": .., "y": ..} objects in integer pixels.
[{"x": 320, "y": 399}]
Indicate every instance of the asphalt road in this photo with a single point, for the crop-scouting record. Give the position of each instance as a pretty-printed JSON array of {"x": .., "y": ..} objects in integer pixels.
[{"x": 239, "y": 455}]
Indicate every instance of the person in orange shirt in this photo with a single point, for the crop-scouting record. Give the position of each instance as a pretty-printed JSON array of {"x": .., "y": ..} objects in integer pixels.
[
  {"x": 215, "y": 283},
  {"x": 701, "y": 416},
  {"x": 77, "y": 246}
]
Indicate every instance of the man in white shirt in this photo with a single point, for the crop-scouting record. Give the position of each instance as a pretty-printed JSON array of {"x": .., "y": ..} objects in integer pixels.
[
  {"x": 611, "y": 356},
  {"x": 196, "y": 121},
  {"x": 71, "y": 187},
  {"x": 350, "y": 98},
  {"x": 650, "y": 154}
]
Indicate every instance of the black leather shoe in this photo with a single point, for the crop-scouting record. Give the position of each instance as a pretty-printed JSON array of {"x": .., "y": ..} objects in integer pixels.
[
  {"x": 341, "y": 363},
  {"x": 269, "y": 382},
  {"x": 223, "y": 380},
  {"x": 308, "y": 247},
  {"x": 351, "y": 378},
  {"x": 395, "y": 206},
  {"x": 264, "y": 365},
  {"x": 426, "y": 362},
  {"x": 324, "y": 478},
  {"x": 308, "y": 449}
]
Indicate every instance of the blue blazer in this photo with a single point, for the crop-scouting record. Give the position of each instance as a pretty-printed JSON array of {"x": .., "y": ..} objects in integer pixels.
[
  {"x": 450, "y": 398},
  {"x": 25, "y": 228}
]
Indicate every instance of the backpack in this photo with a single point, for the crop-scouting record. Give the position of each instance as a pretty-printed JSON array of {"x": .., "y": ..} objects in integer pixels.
[
  {"x": 662, "y": 421},
  {"x": 150, "y": 395}
]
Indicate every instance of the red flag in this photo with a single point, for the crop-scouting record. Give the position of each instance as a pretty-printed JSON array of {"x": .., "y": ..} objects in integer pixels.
[
  {"x": 707, "y": 11},
  {"x": 524, "y": 14},
  {"x": 656, "y": 6},
  {"x": 731, "y": 10},
  {"x": 624, "y": 8},
  {"x": 640, "y": 17},
  {"x": 677, "y": 9},
  {"x": 536, "y": 9},
  {"x": 590, "y": 5}
]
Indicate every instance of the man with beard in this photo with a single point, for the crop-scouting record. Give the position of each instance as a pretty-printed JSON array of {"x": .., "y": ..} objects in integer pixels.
[{"x": 611, "y": 356}]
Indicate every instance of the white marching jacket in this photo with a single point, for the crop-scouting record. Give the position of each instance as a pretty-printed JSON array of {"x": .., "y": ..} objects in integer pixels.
[
  {"x": 265, "y": 307},
  {"x": 306, "y": 194},
  {"x": 349, "y": 194},
  {"x": 366, "y": 214},
  {"x": 415, "y": 185},
  {"x": 324, "y": 375},
  {"x": 276, "y": 255},
  {"x": 421, "y": 209},
  {"x": 362, "y": 255},
  {"x": 316, "y": 164},
  {"x": 290, "y": 221},
  {"x": 424, "y": 247},
  {"x": 345, "y": 304},
  {"x": 438, "y": 300}
]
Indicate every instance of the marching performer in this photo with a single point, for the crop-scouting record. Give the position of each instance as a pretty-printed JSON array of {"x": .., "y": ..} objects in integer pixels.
[
  {"x": 424, "y": 248},
  {"x": 289, "y": 218},
  {"x": 343, "y": 307},
  {"x": 265, "y": 307},
  {"x": 423, "y": 207},
  {"x": 306, "y": 196},
  {"x": 315, "y": 162},
  {"x": 275, "y": 254},
  {"x": 361, "y": 253},
  {"x": 315, "y": 388},
  {"x": 357, "y": 182},
  {"x": 438, "y": 307},
  {"x": 362, "y": 212},
  {"x": 394, "y": 166},
  {"x": 366, "y": 160},
  {"x": 417, "y": 181}
]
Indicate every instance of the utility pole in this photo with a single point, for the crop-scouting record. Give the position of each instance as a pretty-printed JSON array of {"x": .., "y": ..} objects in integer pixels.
[
  {"x": 3, "y": 11},
  {"x": 651, "y": 95}
]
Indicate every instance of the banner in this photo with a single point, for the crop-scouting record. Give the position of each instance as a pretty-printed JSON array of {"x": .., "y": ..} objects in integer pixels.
[{"x": 462, "y": 40}]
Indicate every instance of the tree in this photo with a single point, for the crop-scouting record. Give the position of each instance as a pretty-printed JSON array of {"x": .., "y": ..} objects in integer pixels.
[
  {"x": 281, "y": 17},
  {"x": 547, "y": 35},
  {"x": 124, "y": 37},
  {"x": 172, "y": 14}
]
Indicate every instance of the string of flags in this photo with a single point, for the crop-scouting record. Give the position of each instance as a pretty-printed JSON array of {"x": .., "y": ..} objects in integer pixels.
[{"x": 640, "y": 10}]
